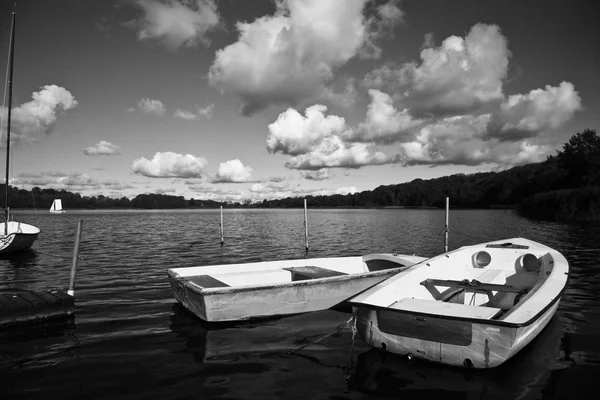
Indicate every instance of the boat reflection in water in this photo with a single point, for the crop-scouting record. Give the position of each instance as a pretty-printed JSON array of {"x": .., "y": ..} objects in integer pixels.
[
  {"x": 525, "y": 376},
  {"x": 212, "y": 341}
]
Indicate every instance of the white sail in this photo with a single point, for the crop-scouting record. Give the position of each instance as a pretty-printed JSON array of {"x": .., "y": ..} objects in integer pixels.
[{"x": 56, "y": 206}]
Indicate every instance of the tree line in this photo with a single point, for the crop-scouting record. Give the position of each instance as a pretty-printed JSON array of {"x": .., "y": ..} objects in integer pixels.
[{"x": 566, "y": 186}]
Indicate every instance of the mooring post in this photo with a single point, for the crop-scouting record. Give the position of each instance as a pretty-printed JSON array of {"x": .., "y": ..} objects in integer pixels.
[
  {"x": 305, "y": 226},
  {"x": 222, "y": 226},
  {"x": 71, "y": 291},
  {"x": 446, "y": 227}
]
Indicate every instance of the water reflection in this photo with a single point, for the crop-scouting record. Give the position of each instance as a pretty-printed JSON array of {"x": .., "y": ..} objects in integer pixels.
[
  {"x": 212, "y": 342},
  {"x": 525, "y": 376}
]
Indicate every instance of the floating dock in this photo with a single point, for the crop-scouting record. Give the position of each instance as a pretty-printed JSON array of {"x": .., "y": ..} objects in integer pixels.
[
  {"x": 32, "y": 306},
  {"x": 24, "y": 306}
]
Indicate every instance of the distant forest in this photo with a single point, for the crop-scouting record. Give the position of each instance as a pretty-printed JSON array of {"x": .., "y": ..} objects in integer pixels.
[{"x": 564, "y": 187}]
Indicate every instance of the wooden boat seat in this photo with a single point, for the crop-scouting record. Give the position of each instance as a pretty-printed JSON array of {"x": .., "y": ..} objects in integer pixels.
[
  {"x": 470, "y": 286},
  {"x": 311, "y": 272},
  {"x": 445, "y": 309},
  {"x": 206, "y": 281}
]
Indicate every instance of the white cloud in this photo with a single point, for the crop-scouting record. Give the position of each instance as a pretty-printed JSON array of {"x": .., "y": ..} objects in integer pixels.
[
  {"x": 151, "y": 107},
  {"x": 384, "y": 123},
  {"x": 332, "y": 152},
  {"x": 525, "y": 115},
  {"x": 177, "y": 23},
  {"x": 38, "y": 115},
  {"x": 457, "y": 77},
  {"x": 170, "y": 165},
  {"x": 463, "y": 141},
  {"x": 294, "y": 134},
  {"x": 289, "y": 57},
  {"x": 316, "y": 141},
  {"x": 183, "y": 114},
  {"x": 102, "y": 148},
  {"x": 232, "y": 171}
]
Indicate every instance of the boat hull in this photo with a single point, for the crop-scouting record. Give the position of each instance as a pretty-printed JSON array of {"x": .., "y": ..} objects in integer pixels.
[
  {"x": 20, "y": 237},
  {"x": 243, "y": 303},
  {"x": 457, "y": 342}
]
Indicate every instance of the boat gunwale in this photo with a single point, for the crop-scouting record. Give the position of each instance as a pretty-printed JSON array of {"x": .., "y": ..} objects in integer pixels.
[
  {"x": 308, "y": 282},
  {"x": 479, "y": 321}
]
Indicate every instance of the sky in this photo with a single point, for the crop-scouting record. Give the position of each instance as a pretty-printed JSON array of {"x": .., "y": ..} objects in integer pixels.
[{"x": 242, "y": 100}]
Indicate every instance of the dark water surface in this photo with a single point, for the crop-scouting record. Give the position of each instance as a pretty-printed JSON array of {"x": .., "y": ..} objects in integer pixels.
[{"x": 130, "y": 340}]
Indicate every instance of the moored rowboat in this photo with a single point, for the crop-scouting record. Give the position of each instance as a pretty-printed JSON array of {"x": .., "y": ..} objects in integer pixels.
[
  {"x": 253, "y": 290},
  {"x": 476, "y": 306}
]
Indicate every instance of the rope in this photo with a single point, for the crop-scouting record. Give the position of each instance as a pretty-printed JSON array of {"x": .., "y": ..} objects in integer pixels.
[{"x": 339, "y": 328}]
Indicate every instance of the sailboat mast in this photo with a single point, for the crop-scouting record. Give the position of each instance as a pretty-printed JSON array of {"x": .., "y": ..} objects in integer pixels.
[{"x": 10, "y": 85}]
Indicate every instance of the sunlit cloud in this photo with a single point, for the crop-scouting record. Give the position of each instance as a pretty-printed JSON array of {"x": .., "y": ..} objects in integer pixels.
[
  {"x": 37, "y": 116},
  {"x": 176, "y": 24},
  {"x": 525, "y": 115},
  {"x": 232, "y": 171},
  {"x": 457, "y": 77},
  {"x": 170, "y": 165},
  {"x": 291, "y": 56},
  {"x": 102, "y": 148}
]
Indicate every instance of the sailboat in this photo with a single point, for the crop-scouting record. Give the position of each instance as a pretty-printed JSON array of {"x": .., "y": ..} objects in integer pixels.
[
  {"x": 56, "y": 207},
  {"x": 14, "y": 235}
]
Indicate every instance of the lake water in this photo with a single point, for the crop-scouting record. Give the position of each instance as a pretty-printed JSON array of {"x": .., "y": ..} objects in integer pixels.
[{"x": 130, "y": 340}]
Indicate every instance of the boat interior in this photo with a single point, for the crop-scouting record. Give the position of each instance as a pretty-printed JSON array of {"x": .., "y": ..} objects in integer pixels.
[
  {"x": 483, "y": 282},
  {"x": 287, "y": 271}
]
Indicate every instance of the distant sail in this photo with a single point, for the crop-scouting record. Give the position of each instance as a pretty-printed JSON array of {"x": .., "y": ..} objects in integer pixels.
[{"x": 56, "y": 207}]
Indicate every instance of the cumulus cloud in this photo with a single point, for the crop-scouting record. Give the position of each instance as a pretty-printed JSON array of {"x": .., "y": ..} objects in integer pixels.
[
  {"x": 457, "y": 77},
  {"x": 232, "y": 171},
  {"x": 294, "y": 134},
  {"x": 175, "y": 23},
  {"x": 525, "y": 115},
  {"x": 289, "y": 57},
  {"x": 206, "y": 111},
  {"x": 151, "y": 107},
  {"x": 383, "y": 123},
  {"x": 38, "y": 115},
  {"x": 102, "y": 148},
  {"x": 170, "y": 165},
  {"x": 463, "y": 140},
  {"x": 332, "y": 152},
  {"x": 316, "y": 141}
]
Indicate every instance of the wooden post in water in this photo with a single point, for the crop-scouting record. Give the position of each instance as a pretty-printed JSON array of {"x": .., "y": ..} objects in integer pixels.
[
  {"x": 446, "y": 227},
  {"x": 71, "y": 291},
  {"x": 305, "y": 226},
  {"x": 222, "y": 241}
]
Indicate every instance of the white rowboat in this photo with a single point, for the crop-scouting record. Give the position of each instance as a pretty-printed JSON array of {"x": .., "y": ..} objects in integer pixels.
[
  {"x": 476, "y": 306},
  {"x": 254, "y": 290}
]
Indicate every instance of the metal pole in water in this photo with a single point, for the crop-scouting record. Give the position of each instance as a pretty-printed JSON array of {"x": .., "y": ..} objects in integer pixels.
[
  {"x": 222, "y": 226},
  {"x": 71, "y": 291},
  {"x": 446, "y": 227},
  {"x": 305, "y": 226}
]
